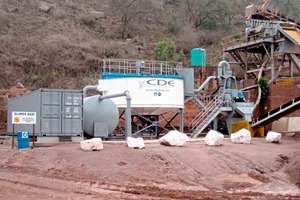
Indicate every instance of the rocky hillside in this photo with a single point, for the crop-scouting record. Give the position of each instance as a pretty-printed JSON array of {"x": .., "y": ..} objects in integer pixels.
[
  {"x": 48, "y": 44},
  {"x": 60, "y": 43}
]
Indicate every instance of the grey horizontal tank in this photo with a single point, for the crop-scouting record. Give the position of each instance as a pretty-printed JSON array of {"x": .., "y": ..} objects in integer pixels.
[{"x": 99, "y": 114}]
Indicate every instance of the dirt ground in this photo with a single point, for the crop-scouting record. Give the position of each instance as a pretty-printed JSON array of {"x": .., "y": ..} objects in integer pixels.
[{"x": 259, "y": 170}]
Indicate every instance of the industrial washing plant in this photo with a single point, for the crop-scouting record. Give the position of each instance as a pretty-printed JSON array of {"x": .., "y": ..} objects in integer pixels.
[
  {"x": 139, "y": 90},
  {"x": 140, "y": 97}
]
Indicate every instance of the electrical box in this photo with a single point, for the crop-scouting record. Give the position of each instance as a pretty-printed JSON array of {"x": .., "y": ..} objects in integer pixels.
[{"x": 100, "y": 129}]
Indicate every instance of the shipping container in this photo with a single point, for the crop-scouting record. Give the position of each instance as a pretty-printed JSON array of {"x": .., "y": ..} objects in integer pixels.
[{"x": 58, "y": 112}]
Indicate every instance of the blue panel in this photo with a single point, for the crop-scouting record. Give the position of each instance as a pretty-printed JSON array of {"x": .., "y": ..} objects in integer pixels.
[
  {"x": 113, "y": 75},
  {"x": 23, "y": 140}
]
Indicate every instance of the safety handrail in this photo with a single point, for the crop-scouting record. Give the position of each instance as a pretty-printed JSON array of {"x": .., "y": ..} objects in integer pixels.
[
  {"x": 126, "y": 66},
  {"x": 210, "y": 107}
]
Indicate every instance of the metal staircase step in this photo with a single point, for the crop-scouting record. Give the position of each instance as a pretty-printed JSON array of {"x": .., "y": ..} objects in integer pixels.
[{"x": 209, "y": 112}]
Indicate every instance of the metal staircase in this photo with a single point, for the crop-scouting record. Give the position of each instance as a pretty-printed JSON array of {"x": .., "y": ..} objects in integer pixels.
[
  {"x": 238, "y": 57},
  {"x": 199, "y": 103},
  {"x": 209, "y": 112}
]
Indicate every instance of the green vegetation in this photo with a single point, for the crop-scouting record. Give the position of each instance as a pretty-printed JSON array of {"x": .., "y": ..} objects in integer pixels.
[
  {"x": 164, "y": 49},
  {"x": 66, "y": 43},
  {"x": 263, "y": 84},
  {"x": 181, "y": 57}
]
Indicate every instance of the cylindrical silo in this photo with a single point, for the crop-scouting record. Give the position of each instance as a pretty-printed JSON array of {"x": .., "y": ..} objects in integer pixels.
[{"x": 96, "y": 110}]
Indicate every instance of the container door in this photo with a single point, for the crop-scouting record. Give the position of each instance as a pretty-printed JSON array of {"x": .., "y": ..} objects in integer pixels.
[
  {"x": 50, "y": 113},
  {"x": 72, "y": 119}
]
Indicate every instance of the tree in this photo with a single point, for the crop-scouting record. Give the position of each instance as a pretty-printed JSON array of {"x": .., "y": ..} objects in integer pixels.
[
  {"x": 199, "y": 11},
  {"x": 288, "y": 7},
  {"x": 130, "y": 14},
  {"x": 229, "y": 14}
]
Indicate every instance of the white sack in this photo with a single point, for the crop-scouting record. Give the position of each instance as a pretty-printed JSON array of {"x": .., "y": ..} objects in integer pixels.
[
  {"x": 242, "y": 136},
  {"x": 173, "y": 138},
  {"x": 213, "y": 138},
  {"x": 273, "y": 136},
  {"x": 135, "y": 142},
  {"x": 92, "y": 144}
]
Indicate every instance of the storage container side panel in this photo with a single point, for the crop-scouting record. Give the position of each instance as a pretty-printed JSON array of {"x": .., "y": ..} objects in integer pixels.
[
  {"x": 51, "y": 98},
  {"x": 26, "y": 103},
  {"x": 50, "y": 127},
  {"x": 72, "y": 127}
]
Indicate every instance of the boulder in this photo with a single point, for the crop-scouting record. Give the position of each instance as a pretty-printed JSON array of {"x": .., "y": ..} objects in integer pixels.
[
  {"x": 173, "y": 138},
  {"x": 242, "y": 136},
  {"x": 20, "y": 85},
  {"x": 133, "y": 46},
  {"x": 213, "y": 138},
  {"x": 92, "y": 144},
  {"x": 12, "y": 9},
  {"x": 44, "y": 6},
  {"x": 135, "y": 142},
  {"x": 273, "y": 136},
  {"x": 131, "y": 49}
]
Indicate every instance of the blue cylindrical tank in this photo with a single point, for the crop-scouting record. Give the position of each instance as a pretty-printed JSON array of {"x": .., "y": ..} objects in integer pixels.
[{"x": 96, "y": 110}]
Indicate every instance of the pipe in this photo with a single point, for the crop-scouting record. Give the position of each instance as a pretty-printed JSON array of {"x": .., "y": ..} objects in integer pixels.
[
  {"x": 249, "y": 88},
  {"x": 221, "y": 70},
  {"x": 181, "y": 120},
  {"x": 224, "y": 62},
  {"x": 112, "y": 95},
  {"x": 259, "y": 89},
  {"x": 278, "y": 71},
  {"x": 220, "y": 65},
  {"x": 89, "y": 88},
  {"x": 128, "y": 114},
  {"x": 128, "y": 129},
  {"x": 204, "y": 83},
  {"x": 258, "y": 77}
]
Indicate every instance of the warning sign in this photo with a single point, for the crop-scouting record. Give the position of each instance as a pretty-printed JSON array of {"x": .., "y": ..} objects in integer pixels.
[{"x": 23, "y": 117}]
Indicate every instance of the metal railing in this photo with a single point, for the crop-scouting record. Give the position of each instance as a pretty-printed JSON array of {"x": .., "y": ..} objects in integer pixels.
[
  {"x": 199, "y": 118},
  {"x": 240, "y": 39},
  {"x": 126, "y": 66}
]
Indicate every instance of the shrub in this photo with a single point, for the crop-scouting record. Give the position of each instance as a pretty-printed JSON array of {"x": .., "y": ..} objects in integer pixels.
[
  {"x": 174, "y": 25},
  {"x": 181, "y": 57},
  {"x": 263, "y": 84},
  {"x": 164, "y": 49}
]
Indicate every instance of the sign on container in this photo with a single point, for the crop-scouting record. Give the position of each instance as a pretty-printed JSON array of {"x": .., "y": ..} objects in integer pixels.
[{"x": 23, "y": 117}]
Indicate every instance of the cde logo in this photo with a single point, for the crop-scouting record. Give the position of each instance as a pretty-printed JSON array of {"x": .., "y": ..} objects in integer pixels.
[
  {"x": 157, "y": 94},
  {"x": 160, "y": 82},
  {"x": 24, "y": 134}
]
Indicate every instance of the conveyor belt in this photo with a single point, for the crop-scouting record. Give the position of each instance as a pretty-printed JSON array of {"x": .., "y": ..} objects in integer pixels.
[
  {"x": 293, "y": 35},
  {"x": 277, "y": 113}
]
